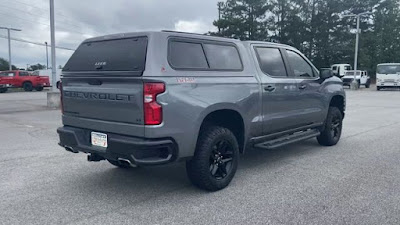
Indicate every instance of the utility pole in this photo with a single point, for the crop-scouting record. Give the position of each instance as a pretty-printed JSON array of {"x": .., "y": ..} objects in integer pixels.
[
  {"x": 9, "y": 43},
  {"x": 53, "y": 49},
  {"x": 47, "y": 56},
  {"x": 53, "y": 96},
  {"x": 354, "y": 83}
]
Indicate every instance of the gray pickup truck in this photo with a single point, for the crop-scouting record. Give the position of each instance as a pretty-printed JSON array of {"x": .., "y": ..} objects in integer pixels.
[{"x": 151, "y": 98}]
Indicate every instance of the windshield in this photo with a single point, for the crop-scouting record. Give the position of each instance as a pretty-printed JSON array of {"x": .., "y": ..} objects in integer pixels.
[{"x": 388, "y": 69}]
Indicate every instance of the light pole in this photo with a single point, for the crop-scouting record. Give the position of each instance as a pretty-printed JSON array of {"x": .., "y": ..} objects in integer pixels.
[
  {"x": 47, "y": 56},
  {"x": 53, "y": 96},
  {"x": 53, "y": 47},
  {"x": 9, "y": 43},
  {"x": 354, "y": 83}
]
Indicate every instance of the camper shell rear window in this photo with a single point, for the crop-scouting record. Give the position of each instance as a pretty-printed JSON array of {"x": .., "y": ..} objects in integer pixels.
[{"x": 127, "y": 54}]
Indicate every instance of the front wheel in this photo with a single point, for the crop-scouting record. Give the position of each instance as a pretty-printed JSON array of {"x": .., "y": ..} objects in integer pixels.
[
  {"x": 3, "y": 90},
  {"x": 333, "y": 128},
  {"x": 367, "y": 85},
  {"x": 216, "y": 158},
  {"x": 27, "y": 86}
]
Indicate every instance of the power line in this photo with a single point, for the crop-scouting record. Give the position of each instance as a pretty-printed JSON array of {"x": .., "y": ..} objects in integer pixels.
[
  {"x": 37, "y": 22},
  {"x": 65, "y": 21},
  {"x": 59, "y": 14},
  {"x": 33, "y": 6},
  {"x": 35, "y": 43}
]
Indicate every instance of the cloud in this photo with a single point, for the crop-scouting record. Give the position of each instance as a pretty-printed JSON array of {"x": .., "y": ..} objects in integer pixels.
[
  {"x": 77, "y": 20},
  {"x": 193, "y": 26}
]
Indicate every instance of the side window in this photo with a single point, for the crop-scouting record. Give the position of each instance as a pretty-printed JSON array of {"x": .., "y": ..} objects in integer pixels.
[
  {"x": 271, "y": 61},
  {"x": 334, "y": 68},
  {"x": 300, "y": 67},
  {"x": 8, "y": 74},
  {"x": 223, "y": 57},
  {"x": 187, "y": 55},
  {"x": 23, "y": 74}
]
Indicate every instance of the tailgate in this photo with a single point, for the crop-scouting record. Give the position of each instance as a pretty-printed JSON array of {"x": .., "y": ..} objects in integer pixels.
[
  {"x": 102, "y": 86},
  {"x": 117, "y": 100},
  {"x": 44, "y": 78}
]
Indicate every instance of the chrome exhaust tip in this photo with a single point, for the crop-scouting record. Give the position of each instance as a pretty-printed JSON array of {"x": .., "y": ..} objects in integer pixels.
[
  {"x": 70, "y": 149},
  {"x": 126, "y": 162}
]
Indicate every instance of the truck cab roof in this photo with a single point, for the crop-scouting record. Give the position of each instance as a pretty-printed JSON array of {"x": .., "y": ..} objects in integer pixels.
[{"x": 167, "y": 33}]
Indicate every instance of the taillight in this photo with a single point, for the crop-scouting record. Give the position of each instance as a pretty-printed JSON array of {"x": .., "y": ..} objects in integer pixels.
[
  {"x": 61, "y": 97},
  {"x": 152, "y": 110}
]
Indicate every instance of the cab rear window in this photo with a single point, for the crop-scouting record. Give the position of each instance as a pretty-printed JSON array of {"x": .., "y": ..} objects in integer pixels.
[{"x": 127, "y": 54}]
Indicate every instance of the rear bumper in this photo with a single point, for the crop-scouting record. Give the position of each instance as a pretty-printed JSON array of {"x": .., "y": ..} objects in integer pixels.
[
  {"x": 45, "y": 84},
  {"x": 388, "y": 84},
  {"x": 139, "y": 151},
  {"x": 348, "y": 81}
]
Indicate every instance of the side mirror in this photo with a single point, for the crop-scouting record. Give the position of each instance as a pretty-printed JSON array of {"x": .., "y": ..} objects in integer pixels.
[{"x": 325, "y": 73}]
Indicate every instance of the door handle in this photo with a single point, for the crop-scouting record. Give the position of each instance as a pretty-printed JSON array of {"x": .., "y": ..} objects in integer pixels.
[
  {"x": 269, "y": 88},
  {"x": 302, "y": 87}
]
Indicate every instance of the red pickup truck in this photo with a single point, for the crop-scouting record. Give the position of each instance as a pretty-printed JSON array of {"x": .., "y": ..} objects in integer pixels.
[{"x": 22, "y": 79}]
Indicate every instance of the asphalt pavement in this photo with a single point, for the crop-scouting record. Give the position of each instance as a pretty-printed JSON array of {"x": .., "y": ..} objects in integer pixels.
[{"x": 355, "y": 182}]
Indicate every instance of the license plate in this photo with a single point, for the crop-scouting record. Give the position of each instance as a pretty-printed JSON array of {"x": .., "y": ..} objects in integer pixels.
[{"x": 99, "y": 139}]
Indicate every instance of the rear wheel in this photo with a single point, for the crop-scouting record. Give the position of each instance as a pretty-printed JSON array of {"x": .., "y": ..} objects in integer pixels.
[
  {"x": 3, "y": 90},
  {"x": 333, "y": 128},
  {"x": 378, "y": 88},
  {"x": 27, "y": 86},
  {"x": 39, "y": 88},
  {"x": 215, "y": 161}
]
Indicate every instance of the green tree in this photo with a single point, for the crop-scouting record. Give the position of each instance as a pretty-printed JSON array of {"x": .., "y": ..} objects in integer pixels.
[
  {"x": 242, "y": 19},
  {"x": 4, "y": 65},
  {"x": 36, "y": 67},
  {"x": 387, "y": 31},
  {"x": 318, "y": 28}
]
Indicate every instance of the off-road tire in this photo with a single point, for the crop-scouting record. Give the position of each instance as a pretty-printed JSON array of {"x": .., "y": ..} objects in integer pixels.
[
  {"x": 368, "y": 84},
  {"x": 333, "y": 128},
  {"x": 39, "y": 88},
  {"x": 27, "y": 86},
  {"x": 201, "y": 167}
]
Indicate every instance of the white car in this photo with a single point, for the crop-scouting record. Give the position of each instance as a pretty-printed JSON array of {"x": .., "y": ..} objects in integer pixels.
[
  {"x": 361, "y": 77},
  {"x": 339, "y": 70},
  {"x": 387, "y": 75}
]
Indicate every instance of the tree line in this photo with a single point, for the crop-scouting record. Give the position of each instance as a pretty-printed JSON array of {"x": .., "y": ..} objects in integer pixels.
[
  {"x": 318, "y": 28},
  {"x": 4, "y": 65}
]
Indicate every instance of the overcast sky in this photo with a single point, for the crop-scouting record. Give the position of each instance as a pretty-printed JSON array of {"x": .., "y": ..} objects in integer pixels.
[{"x": 77, "y": 20}]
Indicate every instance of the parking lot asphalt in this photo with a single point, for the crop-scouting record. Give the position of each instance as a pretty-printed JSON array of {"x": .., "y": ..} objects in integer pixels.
[{"x": 355, "y": 182}]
